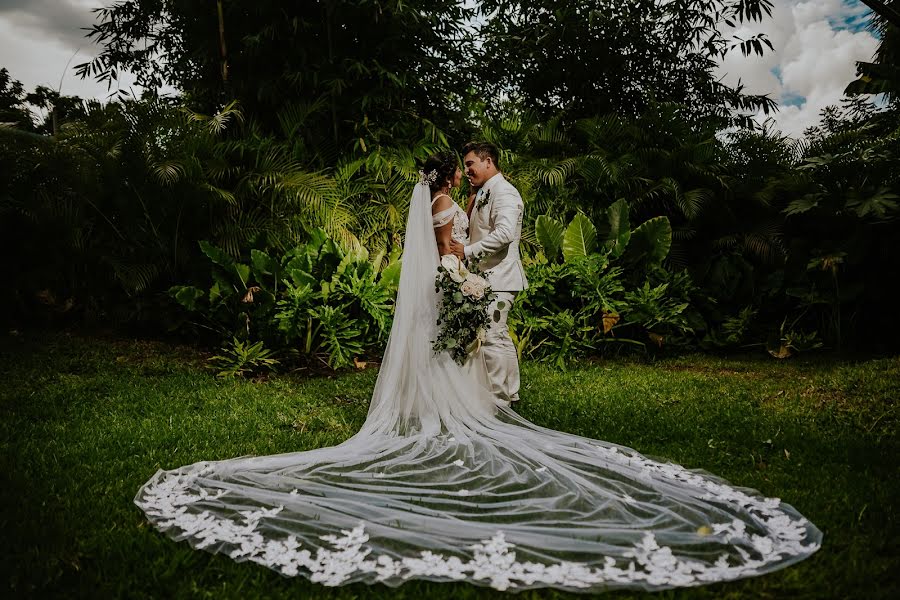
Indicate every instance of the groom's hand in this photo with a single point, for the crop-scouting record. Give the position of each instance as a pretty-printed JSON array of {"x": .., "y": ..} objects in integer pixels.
[{"x": 458, "y": 249}]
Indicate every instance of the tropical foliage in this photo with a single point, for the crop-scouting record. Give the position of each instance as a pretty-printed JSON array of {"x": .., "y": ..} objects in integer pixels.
[
  {"x": 263, "y": 209},
  {"x": 314, "y": 301},
  {"x": 366, "y": 67},
  {"x": 589, "y": 293}
]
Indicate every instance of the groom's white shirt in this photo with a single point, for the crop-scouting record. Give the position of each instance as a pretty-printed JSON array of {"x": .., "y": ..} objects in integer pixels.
[{"x": 495, "y": 230}]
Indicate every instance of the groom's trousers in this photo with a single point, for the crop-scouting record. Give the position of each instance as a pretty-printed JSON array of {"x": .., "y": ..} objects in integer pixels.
[{"x": 499, "y": 352}]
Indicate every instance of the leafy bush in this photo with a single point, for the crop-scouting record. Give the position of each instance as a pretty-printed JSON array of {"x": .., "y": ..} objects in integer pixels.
[
  {"x": 239, "y": 358},
  {"x": 673, "y": 234},
  {"x": 605, "y": 292},
  {"x": 316, "y": 299}
]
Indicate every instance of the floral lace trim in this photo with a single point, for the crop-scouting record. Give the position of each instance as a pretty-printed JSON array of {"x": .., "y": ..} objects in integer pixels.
[
  {"x": 460, "y": 227},
  {"x": 493, "y": 561}
]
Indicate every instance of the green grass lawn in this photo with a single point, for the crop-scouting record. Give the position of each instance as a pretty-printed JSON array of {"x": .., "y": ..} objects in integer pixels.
[{"x": 85, "y": 421}]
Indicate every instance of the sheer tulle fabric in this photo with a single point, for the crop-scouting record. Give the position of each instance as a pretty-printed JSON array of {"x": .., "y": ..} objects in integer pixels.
[{"x": 441, "y": 483}]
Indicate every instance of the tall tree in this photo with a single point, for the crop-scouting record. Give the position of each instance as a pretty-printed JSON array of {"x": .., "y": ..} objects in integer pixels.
[
  {"x": 359, "y": 62},
  {"x": 591, "y": 57},
  {"x": 13, "y": 109},
  {"x": 58, "y": 109}
]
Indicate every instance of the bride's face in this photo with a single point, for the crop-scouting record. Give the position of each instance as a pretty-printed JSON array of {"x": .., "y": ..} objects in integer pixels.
[{"x": 457, "y": 178}]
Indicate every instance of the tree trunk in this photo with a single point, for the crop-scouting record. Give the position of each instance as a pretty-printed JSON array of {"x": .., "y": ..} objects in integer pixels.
[{"x": 222, "y": 51}]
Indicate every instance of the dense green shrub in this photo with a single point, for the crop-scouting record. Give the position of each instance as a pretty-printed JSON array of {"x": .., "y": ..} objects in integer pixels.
[
  {"x": 743, "y": 240},
  {"x": 314, "y": 301},
  {"x": 591, "y": 293}
]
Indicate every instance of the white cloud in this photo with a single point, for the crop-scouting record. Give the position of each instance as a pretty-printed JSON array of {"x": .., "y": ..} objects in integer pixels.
[
  {"x": 816, "y": 49},
  {"x": 806, "y": 13},
  {"x": 38, "y": 38},
  {"x": 819, "y": 58}
]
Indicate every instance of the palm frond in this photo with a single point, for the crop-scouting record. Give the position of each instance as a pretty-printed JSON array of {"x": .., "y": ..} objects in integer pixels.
[
  {"x": 692, "y": 202},
  {"x": 168, "y": 172}
]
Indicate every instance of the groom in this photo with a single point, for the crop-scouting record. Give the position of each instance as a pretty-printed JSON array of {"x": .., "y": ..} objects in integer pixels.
[{"x": 495, "y": 227}]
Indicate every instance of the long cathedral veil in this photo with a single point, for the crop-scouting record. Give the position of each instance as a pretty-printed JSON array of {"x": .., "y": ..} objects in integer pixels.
[
  {"x": 442, "y": 483},
  {"x": 416, "y": 390}
]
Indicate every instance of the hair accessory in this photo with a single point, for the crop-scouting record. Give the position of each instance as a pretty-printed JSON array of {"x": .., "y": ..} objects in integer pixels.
[{"x": 428, "y": 178}]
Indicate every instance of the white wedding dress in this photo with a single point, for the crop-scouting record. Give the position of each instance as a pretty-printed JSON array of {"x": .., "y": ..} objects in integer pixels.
[
  {"x": 443, "y": 484},
  {"x": 460, "y": 230},
  {"x": 475, "y": 367}
]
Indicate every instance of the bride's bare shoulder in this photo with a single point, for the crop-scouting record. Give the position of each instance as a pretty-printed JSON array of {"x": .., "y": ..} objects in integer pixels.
[{"x": 441, "y": 202}]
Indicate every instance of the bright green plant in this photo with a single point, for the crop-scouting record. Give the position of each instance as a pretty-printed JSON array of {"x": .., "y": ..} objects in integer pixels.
[
  {"x": 608, "y": 292},
  {"x": 550, "y": 234},
  {"x": 342, "y": 336},
  {"x": 580, "y": 238},
  {"x": 316, "y": 300},
  {"x": 293, "y": 316},
  {"x": 241, "y": 357},
  {"x": 652, "y": 307}
]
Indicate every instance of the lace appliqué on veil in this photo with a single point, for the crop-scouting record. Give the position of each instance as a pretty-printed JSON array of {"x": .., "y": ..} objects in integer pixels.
[
  {"x": 528, "y": 507},
  {"x": 493, "y": 561}
]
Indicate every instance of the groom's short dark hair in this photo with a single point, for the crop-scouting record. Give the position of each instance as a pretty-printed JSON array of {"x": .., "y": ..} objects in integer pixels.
[{"x": 484, "y": 150}]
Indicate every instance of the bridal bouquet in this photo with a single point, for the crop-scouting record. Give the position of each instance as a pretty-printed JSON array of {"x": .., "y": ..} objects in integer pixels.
[{"x": 462, "y": 317}]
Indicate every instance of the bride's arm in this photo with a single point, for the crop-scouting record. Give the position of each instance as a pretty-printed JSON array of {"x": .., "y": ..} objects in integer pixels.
[{"x": 442, "y": 233}]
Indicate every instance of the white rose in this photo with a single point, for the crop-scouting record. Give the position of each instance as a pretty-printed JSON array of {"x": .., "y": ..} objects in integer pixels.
[
  {"x": 455, "y": 268},
  {"x": 477, "y": 285},
  {"x": 478, "y": 279},
  {"x": 468, "y": 288}
]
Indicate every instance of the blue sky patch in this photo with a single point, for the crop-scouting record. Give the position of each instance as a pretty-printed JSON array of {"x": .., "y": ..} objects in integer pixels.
[
  {"x": 854, "y": 17},
  {"x": 791, "y": 99}
]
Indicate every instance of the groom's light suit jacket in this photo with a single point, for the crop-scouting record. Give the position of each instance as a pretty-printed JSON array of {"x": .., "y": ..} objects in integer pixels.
[{"x": 494, "y": 231}]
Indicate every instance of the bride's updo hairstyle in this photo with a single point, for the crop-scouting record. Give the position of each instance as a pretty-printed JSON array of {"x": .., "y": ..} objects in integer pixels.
[{"x": 444, "y": 165}]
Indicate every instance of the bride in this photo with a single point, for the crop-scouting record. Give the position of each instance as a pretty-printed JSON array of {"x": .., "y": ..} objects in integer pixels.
[{"x": 443, "y": 482}]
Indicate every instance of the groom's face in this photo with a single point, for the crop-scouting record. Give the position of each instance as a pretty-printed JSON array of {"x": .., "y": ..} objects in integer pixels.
[{"x": 478, "y": 171}]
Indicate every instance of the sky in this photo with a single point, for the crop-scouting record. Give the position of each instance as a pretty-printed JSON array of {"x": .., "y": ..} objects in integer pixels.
[{"x": 817, "y": 43}]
